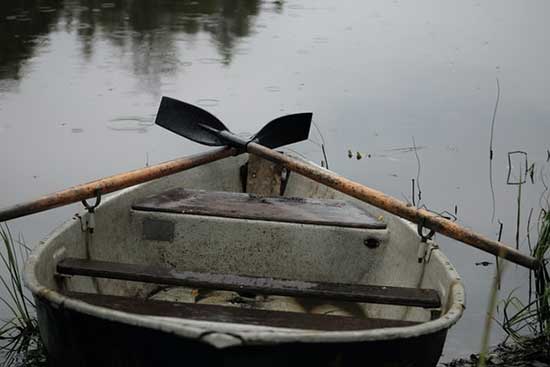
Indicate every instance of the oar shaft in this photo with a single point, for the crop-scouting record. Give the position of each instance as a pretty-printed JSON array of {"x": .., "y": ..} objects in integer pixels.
[
  {"x": 394, "y": 206},
  {"x": 113, "y": 183}
]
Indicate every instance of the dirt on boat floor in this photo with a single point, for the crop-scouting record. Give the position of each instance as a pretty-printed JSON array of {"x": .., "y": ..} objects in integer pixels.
[{"x": 530, "y": 353}]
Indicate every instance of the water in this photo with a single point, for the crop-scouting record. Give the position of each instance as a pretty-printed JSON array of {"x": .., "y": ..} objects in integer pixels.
[{"x": 81, "y": 80}]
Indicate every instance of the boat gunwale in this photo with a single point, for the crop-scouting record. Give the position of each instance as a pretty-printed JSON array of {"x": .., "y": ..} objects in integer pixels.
[{"x": 244, "y": 334}]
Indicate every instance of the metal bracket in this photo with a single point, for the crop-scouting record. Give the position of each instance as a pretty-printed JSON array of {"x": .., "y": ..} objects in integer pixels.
[
  {"x": 422, "y": 223},
  {"x": 90, "y": 220},
  {"x": 91, "y": 208},
  {"x": 423, "y": 237},
  {"x": 429, "y": 251}
]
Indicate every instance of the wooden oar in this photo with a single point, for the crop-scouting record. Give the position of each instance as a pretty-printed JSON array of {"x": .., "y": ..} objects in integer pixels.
[
  {"x": 284, "y": 130},
  {"x": 200, "y": 126},
  {"x": 379, "y": 199},
  {"x": 113, "y": 183}
]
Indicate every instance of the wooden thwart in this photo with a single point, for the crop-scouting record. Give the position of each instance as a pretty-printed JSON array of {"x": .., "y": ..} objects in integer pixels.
[
  {"x": 427, "y": 298},
  {"x": 248, "y": 206},
  {"x": 216, "y": 313}
]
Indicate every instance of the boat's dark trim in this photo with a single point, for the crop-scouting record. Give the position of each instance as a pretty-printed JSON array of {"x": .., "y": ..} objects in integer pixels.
[{"x": 78, "y": 340}]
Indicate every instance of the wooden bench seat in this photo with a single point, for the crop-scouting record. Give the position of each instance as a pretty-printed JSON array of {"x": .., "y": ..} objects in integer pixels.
[
  {"x": 324, "y": 212},
  {"x": 427, "y": 298},
  {"x": 214, "y": 313}
]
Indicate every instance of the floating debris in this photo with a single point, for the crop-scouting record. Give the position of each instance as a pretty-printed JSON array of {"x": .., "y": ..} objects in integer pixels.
[
  {"x": 406, "y": 149},
  {"x": 483, "y": 263}
]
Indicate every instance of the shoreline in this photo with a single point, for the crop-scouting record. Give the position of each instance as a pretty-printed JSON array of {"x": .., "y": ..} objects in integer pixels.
[{"x": 531, "y": 352}]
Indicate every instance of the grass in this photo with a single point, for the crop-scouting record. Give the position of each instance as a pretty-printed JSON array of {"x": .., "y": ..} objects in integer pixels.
[
  {"x": 523, "y": 320},
  {"x": 528, "y": 323},
  {"x": 20, "y": 342},
  {"x": 542, "y": 279}
]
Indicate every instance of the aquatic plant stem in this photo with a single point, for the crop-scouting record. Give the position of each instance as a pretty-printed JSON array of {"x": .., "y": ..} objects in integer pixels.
[
  {"x": 20, "y": 337},
  {"x": 417, "y": 171},
  {"x": 518, "y": 219},
  {"x": 491, "y": 153},
  {"x": 489, "y": 317}
]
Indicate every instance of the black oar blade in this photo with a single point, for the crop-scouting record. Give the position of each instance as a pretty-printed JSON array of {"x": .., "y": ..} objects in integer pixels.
[
  {"x": 284, "y": 130},
  {"x": 190, "y": 121}
]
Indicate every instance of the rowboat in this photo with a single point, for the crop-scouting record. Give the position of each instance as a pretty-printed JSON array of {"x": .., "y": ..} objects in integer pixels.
[{"x": 239, "y": 262}]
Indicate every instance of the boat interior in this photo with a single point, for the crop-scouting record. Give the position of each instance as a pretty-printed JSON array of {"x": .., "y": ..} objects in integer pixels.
[{"x": 243, "y": 241}]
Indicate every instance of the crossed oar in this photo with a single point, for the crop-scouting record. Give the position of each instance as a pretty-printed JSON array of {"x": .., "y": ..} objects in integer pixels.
[{"x": 202, "y": 127}]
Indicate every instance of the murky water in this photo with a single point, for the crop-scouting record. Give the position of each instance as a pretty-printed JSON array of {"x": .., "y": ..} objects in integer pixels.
[{"x": 81, "y": 80}]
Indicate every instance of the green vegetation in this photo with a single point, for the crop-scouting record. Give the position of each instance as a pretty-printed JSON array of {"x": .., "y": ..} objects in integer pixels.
[
  {"x": 19, "y": 336},
  {"x": 524, "y": 320},
  {"x": 527, "y": 323}
]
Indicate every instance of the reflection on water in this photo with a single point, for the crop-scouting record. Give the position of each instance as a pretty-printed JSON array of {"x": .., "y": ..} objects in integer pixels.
[
  {"x": 149, "y": 30},
  {"x": 23, "y": 29}
]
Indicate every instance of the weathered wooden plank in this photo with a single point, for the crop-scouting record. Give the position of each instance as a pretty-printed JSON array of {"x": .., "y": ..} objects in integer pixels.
[
  {"x": 249, "y": 206},
  {"x": 427, "y": 298},
  {"x": 257, "y": 171},
  {"x": 217, "y": 313}
]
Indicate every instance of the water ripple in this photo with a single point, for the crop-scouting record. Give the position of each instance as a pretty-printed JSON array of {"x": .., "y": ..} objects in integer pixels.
[
  {"x": 138, "y": 124},
  {"x": 210, "y": 60},
  {"x": 207, "y": 102}
]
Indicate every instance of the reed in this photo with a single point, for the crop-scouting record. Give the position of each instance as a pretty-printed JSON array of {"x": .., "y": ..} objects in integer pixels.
[
  {"x": 527, "y": 323},
  {"x": 489, "y": 317},
  {"x": 19, "y": 335},
  {"x": 524, "y": 321},
  {"x": 542, "y": 276}
]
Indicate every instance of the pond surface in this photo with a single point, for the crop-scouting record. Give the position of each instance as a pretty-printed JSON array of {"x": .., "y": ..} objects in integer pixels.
[{"x": 81, "y": 80}]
